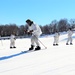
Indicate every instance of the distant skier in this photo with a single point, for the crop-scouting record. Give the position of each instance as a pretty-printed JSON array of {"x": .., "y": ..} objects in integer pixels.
[
  {"x": 70, "y": 32},
  {"x": 12, "y": 40},
  {"x": 35, "y": 30},
  {"x": 56, "y": 38}
]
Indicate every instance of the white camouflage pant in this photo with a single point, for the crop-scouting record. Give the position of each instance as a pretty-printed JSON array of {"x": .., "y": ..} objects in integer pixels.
[
  {"x": 69, "y": 39},
  {"x": 56, "y": 39},
  {"x": 34, "y": 40},
  {"x": 12, "y": 43}
]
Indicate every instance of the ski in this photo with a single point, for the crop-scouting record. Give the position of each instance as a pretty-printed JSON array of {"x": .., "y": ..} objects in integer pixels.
[{"x": 27, "y": 51}]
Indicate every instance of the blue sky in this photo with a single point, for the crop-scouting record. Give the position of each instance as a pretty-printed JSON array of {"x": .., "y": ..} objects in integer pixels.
[{"x": 41, "y": 12}]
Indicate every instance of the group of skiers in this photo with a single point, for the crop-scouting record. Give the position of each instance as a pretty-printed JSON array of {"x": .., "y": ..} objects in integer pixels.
[
  {"x": 69, "y": 40},
  {"x": 35, "y": 30}
]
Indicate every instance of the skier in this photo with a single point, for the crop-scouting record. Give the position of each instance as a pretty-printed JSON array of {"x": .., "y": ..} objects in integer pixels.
[
  {"x": 12, "y": 40},
  {"x": 70, "y": 32},
  {"x": 35, "y": 30},
  {"x": 56, "y": 38}
]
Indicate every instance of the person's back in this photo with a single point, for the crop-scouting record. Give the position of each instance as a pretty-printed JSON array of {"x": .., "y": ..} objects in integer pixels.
[
  {"x": 69, "y": 32},
  {"x": 56, "y": 38},
  {"x": 56, "y": 34},
  {"x": 12, "y": 37},
  {"x": 12, "y": 41}
]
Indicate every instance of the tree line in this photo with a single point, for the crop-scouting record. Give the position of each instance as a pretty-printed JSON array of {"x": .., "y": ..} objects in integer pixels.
[{"x": 61, "y": 25}]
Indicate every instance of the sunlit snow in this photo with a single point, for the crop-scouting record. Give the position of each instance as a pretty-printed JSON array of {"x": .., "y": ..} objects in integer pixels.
[{"x": 55, "y": 60}]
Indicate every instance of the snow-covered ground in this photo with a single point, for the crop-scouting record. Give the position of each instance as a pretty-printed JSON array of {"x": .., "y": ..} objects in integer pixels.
[{"x": 55, "y": 60}]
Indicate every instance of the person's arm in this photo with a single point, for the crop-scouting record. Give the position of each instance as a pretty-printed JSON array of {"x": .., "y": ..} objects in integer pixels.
[{"x": 36, "y": 28}]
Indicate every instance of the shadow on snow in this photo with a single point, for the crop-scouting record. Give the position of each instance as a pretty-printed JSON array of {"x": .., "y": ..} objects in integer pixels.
[{"x": 11, "y": 56}]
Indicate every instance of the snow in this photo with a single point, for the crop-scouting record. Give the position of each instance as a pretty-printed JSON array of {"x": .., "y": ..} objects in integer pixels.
[{"x": 55, "y": 60}]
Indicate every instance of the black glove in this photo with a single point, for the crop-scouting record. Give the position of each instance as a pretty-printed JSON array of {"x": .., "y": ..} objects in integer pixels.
[
  {"x": 30, "y": 32},
  {"x": 14, "y": 38},
  {"x": 25, "y": 31}
]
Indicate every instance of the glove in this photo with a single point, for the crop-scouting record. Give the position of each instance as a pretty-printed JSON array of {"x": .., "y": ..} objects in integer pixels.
[
  {"x": 30, "y": 32},
  {"x": 14, "y": 38},
  {"x": 25, "y": 31}
]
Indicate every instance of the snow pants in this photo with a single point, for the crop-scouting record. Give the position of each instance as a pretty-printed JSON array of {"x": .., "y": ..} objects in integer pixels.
[
  {"x": 69, "y": 39},
  {"x": 34, "y": 40},
  {"x": 12, "y": 43},
  {"x": 56, "y": 39}
]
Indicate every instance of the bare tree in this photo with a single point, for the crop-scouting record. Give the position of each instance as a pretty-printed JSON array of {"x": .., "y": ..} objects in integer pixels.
[{"x": 62, "y": 25}]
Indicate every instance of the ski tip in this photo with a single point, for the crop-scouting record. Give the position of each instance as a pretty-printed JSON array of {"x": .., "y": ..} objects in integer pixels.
[{"x": 24, "y": 51}]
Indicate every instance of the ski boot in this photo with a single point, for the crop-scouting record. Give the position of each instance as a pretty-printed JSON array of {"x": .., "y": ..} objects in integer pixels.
[
  {"x": 37, "y": 48},
  {"x": 67, "y": 44},
  {"x": 10, "y": 47},
  {"x": 71, "y": 44},
  {"x": 56, "y": 44},
  {"x": 53, "y": 44},
  {"x": 14, "y": 47},
  {"x": 32, "y": 47}
]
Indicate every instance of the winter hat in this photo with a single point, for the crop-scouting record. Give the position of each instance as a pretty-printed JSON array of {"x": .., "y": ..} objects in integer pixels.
[{"x": 28, "y": 20}]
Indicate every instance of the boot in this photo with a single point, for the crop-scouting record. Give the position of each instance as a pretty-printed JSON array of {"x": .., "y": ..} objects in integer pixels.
[
  {"x": 53, "y": 44},
  {"x": 37, "y": 48},
  {"x": 14, "y": 47},
  {"x": 67, "y": 44},
  {"x": 32, "y": 47},
  {"x": 10, "y": 47},
  {"x": 71, "y": 44},
  {"x": 56, "y": 44}
]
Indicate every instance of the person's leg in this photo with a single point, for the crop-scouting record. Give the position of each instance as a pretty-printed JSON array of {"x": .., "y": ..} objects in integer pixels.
[
  {"x": 32, "y": 43},
  {"x": 37, "y": 43},
  {"x": 14, "y": 44},
  {"x": 10, "y": 44},
  {"x": 70, "y": 40},
  {"x": 57, "y": 39},
  {"x": 54, "y": 41},
  {"x": 32, "y": 40},
  {"x": 67, "y": 40}
]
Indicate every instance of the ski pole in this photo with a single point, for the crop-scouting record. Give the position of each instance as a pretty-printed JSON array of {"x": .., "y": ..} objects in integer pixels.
[
  {"x": 41, "y": 42},
  {"x": 1, "y": 41}
]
